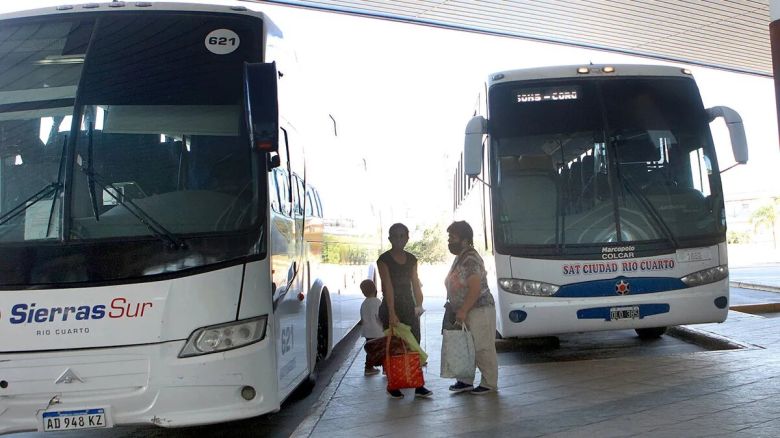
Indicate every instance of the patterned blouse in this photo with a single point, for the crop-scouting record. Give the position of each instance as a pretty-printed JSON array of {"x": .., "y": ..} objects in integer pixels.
[{"x": 466, "y": 264}]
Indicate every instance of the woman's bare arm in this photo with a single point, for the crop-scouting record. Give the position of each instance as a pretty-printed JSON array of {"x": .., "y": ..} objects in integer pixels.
[
  {"x": 417, "y": 287},
  {"x": 387, "y": 290}
]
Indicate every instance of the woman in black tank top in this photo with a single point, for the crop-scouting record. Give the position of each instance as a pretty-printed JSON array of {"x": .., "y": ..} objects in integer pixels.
[
  {"x": 400, "y": 284},
  {"x": 401, "y": 291}
]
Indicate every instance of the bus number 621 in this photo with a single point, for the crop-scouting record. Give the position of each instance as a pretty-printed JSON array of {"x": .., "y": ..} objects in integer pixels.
[
  {"x": 287, "y": 339},
  {"x": 221, "y": 41}
]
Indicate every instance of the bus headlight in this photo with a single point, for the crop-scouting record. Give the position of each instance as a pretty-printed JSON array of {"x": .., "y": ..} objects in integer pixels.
[
  {"x": 528, "y": 287},
  {"x": 706, "y": 276},
  {"x": 223, "y": 337}
]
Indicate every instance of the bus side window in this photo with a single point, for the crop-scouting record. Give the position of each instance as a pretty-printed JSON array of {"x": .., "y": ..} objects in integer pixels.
[
  {"x": 273, "y": 191},
  {"x": 318, "y": 203},
  {"x": 309, "y": 203},
  {"x": 300, "y": 193},
  {"x": 284, "y": 192},
  {"x": 301, "y": 196}
]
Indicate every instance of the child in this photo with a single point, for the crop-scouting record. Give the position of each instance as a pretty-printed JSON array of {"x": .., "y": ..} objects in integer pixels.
[{"x": 369, "y": 319}]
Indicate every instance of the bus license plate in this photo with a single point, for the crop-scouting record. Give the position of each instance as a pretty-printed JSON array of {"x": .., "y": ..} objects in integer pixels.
[
  {"x": 627, "y": 312},
  {"x": 73, "y": 420}
]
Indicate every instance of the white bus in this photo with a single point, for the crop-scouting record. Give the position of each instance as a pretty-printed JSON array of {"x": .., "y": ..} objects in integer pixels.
[
  {"x": 160, "y": 246},
  {"x": 598, "y": 192}
]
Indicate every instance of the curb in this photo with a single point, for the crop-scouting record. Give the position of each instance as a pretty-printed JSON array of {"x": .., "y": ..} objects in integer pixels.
[
  {"x": 754, "y": 286},
  {"x": 706, "y": 339},
  {"x": 306, "y": 427},
  {"x": 757, "y": 309}
]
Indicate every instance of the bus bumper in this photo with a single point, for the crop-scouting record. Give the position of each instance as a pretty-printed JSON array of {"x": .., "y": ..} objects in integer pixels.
[
  {"x": 522, "y": 316},
  {"x": 137, "y": 385}
]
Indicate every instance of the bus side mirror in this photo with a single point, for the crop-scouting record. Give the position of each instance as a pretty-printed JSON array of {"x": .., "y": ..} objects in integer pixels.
[
  {"x": 274, "y": 161},
  {"x": 736, "y": 131},
  {"x": 472, "y": 149},
  {"x": 261, "y": 106}
]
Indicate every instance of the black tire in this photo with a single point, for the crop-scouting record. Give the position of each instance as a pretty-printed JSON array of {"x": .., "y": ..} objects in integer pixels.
[
  {"x": 307, "y": 386},
  {"x": 650, "y": 333},
  {"x": 323, "y": 330}
]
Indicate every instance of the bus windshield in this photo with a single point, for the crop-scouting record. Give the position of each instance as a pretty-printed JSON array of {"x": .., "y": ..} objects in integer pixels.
[
  {"x": 581, "y": 163},
  {"x": 111, "y": 122}
]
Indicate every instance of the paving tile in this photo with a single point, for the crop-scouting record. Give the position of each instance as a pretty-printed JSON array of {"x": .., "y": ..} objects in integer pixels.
[{"x": 734, "y": 393}]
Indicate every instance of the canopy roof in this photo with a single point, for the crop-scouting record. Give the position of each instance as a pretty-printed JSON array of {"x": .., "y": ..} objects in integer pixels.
[{"x": 727, "y": 34}]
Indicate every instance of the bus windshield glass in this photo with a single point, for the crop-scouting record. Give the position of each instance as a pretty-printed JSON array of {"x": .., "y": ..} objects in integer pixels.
[
  {"x": 40, "y": 67},
  {"x": 587, "y": 163},
  {"x": 111, "y": 122}
]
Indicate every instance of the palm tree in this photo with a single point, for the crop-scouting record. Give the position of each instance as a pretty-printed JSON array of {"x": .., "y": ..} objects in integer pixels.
[{"x": 766, "y": 216}]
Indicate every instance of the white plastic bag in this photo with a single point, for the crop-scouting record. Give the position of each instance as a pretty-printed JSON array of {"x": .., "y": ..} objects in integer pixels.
[{"x": 457, "y": 354}]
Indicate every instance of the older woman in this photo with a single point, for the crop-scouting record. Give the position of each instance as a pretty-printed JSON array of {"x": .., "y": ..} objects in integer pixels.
[{"x": 469, "y": 299}]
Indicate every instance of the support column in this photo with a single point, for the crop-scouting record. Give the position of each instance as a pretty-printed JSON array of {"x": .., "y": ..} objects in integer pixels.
[{"x": 774, "y": 38}]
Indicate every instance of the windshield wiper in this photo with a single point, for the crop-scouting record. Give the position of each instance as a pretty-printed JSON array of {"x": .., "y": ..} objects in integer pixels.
[
  {"x": 91, "y": 181},
  {"x": 43, "y": 193},
  {"x": 50, "y": 189},
  {"x": 157, "y": 230},
  {"x": 648, "y": 206}
]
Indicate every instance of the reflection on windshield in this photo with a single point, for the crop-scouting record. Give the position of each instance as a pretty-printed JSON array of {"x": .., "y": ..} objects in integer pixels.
[
  {"x": 30, "y": 176},
  {"x": 162, "y": 130},
  {"x": 95, "y": 180},
  {"x": 155, "y": 148},
  {"x": 40, "y": 66},
  {"x": 44, "y": 193},
  {"x": 633, "y": 164},
  {"x": 188, "y": 172}
]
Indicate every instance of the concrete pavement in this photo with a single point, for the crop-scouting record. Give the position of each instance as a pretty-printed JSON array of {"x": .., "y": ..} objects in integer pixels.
[{"x": 733, "y": 392}]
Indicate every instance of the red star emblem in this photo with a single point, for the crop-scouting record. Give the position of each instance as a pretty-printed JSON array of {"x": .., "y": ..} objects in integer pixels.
[{"x": 622, "y": 287}]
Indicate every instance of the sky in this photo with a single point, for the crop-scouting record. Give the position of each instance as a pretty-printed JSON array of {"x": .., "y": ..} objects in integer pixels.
[{"x": 402, "y": 94}]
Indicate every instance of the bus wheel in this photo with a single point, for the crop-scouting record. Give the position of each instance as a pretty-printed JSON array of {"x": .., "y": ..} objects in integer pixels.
[
  {"x": 307, "y": 386},
  {"x": 323, "y": 328},
  {"x": 650, "y": 333}
]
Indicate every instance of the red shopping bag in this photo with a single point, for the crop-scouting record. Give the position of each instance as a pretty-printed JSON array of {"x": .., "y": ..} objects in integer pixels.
[
  {"x": 375, "y": 349},
  {"x": 403, "y": 370}
]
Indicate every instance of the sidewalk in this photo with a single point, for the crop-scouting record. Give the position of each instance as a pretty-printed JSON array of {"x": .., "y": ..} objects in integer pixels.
[
  {"x": 712, "y": 393},
  {"x": 767, "y": 284},
  {"x": 764, "y": 277}
]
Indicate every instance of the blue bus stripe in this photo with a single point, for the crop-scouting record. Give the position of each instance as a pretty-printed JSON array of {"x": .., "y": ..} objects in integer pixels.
[{"x": 606, "y": 288}]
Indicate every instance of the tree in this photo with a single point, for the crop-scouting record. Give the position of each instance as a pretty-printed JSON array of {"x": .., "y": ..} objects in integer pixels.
[
  {"x": 432, "y": 247},
  {"x": 765, "y": 217},
  {"x": 736, "y": 237}
]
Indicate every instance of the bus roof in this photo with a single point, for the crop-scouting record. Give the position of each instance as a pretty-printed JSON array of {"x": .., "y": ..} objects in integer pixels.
[
  {"x": 139, "y": 6},
  {"x": 597, "y": 70}
]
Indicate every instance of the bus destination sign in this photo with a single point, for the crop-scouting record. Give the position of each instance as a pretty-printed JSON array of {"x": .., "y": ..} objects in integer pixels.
[{"x": 547, "y": 94}]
